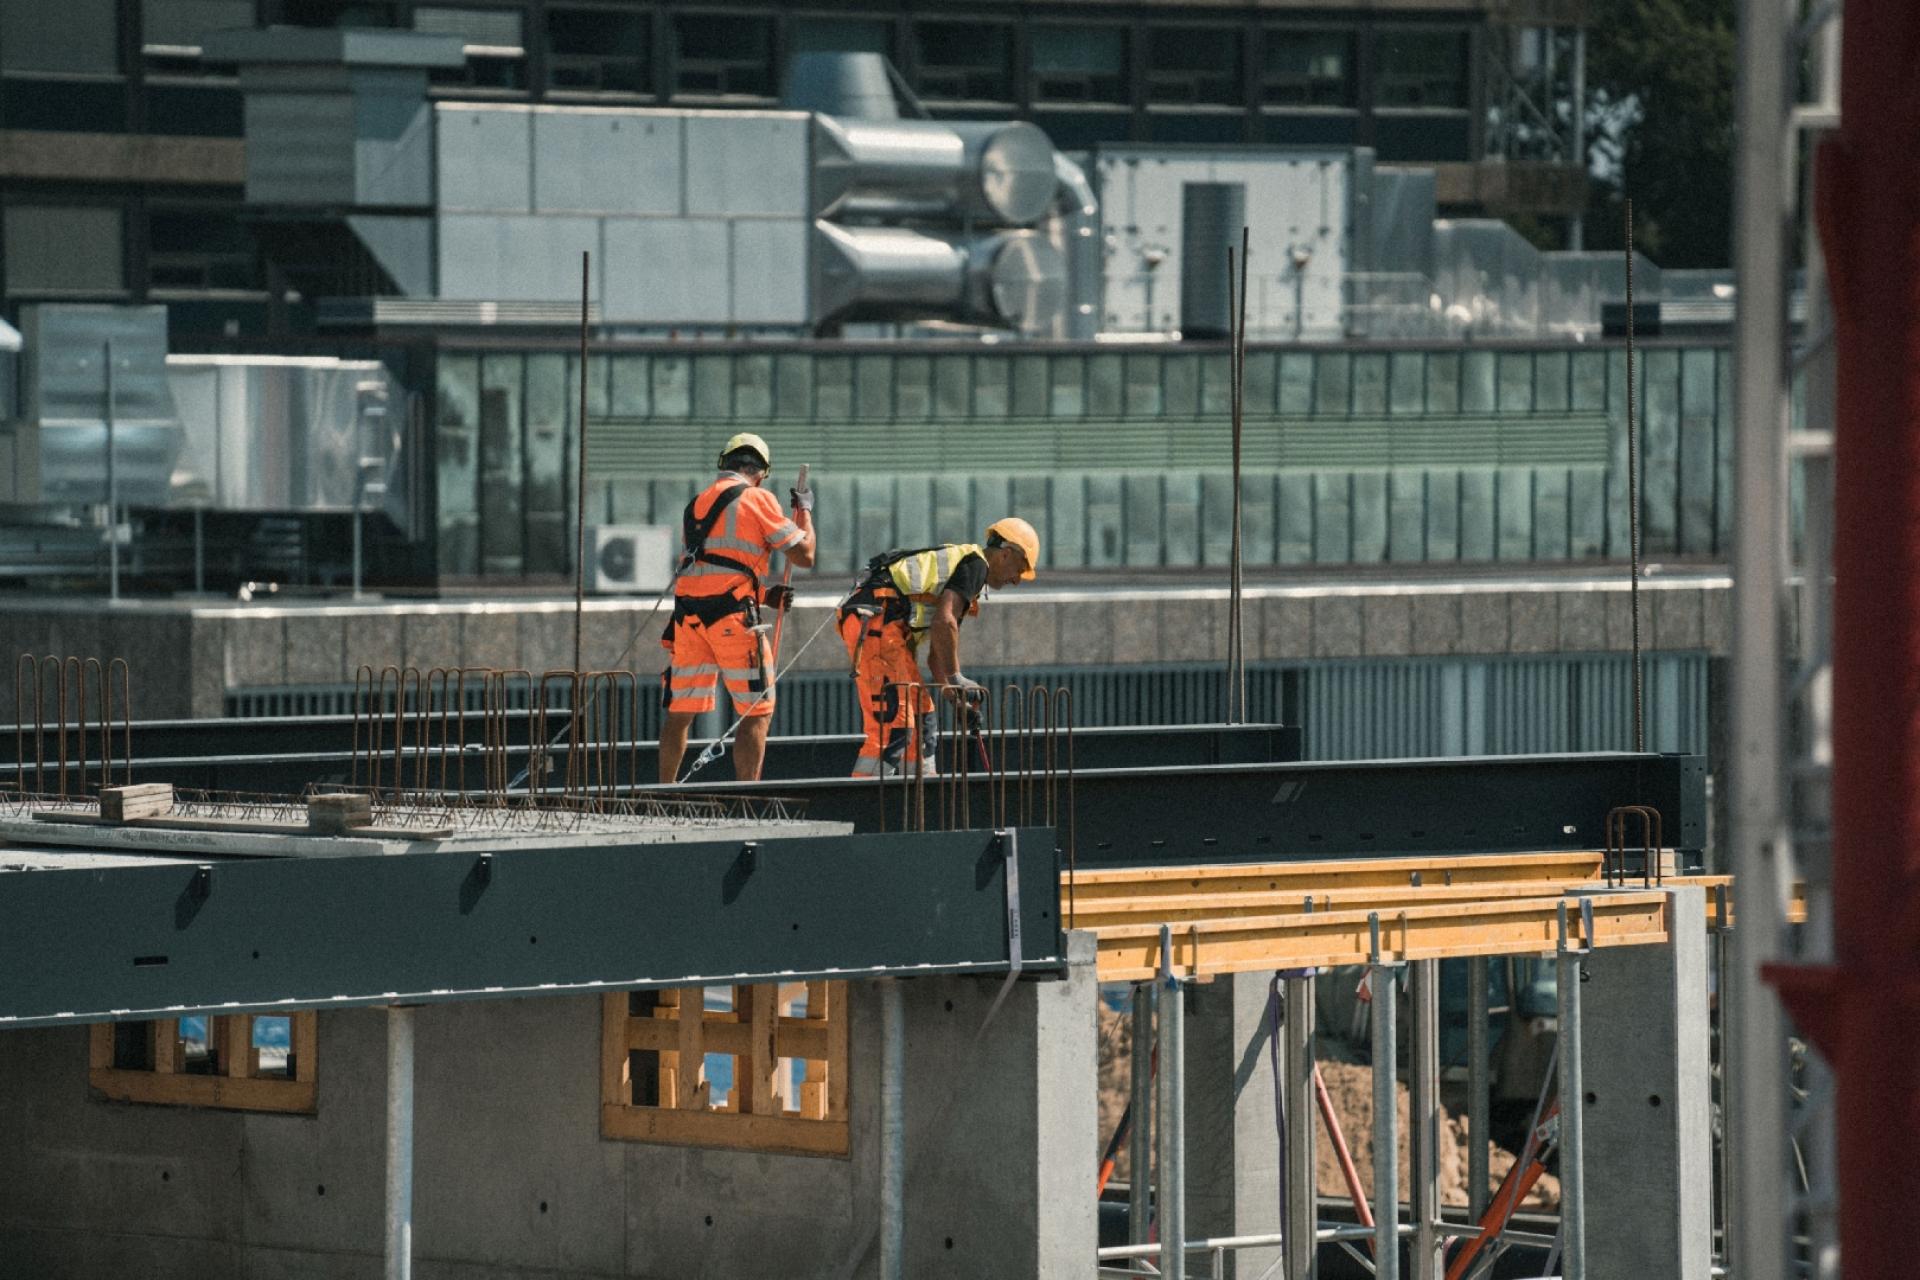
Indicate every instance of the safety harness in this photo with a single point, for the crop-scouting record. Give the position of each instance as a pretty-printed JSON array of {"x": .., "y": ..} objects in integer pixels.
[{"x": 694, "y": 533}]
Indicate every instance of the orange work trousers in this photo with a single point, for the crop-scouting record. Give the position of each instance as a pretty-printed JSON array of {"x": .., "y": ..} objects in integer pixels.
[{"x": 898, "y": 720}]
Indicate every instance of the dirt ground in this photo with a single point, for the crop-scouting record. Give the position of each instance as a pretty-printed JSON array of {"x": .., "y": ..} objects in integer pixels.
[{"x": 1350, "y": 1086}]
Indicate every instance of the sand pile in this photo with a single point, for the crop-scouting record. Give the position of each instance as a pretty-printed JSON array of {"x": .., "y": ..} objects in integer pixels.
[{"x": 1350, "y": 1086}]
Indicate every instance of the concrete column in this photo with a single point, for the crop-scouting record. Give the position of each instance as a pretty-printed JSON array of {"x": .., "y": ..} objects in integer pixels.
[
  {"x": 1233, "y": 1162},
  {"x": 1002, "y": 1126},
  {"x": 399, "y": 1216},
  {"x": 1649, "y": 1105}
]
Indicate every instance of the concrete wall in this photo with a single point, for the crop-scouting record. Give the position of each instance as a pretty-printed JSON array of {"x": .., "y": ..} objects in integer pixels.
[
  {"x": 185, "y": 657},
  {"x": 513, "y": 1178}
]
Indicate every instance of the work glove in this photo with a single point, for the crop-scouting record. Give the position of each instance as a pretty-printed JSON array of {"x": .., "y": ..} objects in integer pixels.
[
  {"x": 961, "y": 689},
  {"x": 779, "y": 597},
  {"x": 802, "y": 499}
]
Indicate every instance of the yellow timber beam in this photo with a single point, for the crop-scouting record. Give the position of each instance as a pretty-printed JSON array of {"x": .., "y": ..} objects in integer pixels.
[
  {"x": 1131, "y": 953},
  {"x": 1300, "y": 878}
]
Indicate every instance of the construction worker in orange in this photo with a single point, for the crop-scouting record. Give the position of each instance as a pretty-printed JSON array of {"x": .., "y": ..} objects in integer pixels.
[
  {"x": 912, "y": 600},
  {"x": 729, "y": 533}
]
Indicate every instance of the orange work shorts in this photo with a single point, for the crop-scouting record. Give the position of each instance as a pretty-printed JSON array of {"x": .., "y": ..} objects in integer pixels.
[{"x": 726, "y": 649}]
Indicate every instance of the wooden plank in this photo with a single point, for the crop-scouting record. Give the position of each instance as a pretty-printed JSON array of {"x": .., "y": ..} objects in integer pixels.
[
  {"x": 792, "y": 1037},
  {"x": 667, "y": 1068},
  {"x": 615, "y": 1088},
  {"x": 1131, "y": 953},
  {"x": 235, "y": 1034},
  {"x": 100, "y": 1046},
  {"x": 813, "y": 1090},
  {"x": 334, "y": 815},
  {"x": 690, "y": 1083},
  {"x": 763, "y": 1063},
  {"x": 1181, "y": 907},
  {"x": 770, "y": 1133},
  {"x": 221, "y": 1092},
  {"x": 839, "y": 1015},
  {"x": 164, "y": 1037},
  {"x": 139, "y": 800},
  {"x": 1322, "y": 876},
  {"x": 305, "y": 1036}
]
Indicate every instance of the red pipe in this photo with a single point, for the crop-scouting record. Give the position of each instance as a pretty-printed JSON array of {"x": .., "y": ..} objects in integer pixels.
[{"x": 1869, "y": 217}]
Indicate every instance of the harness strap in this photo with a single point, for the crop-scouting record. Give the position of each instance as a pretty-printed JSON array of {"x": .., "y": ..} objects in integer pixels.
[{"x": 695, "y": 531}]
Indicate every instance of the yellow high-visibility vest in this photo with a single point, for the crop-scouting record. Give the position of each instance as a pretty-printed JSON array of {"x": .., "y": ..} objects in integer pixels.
[{"x": 920, "y": 576}]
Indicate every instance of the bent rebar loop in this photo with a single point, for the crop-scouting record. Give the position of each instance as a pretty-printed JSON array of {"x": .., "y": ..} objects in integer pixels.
[
  {"x": 53, "y": 664},
  {"x": 614, "y": 714},
  {"x": 28, "y": 666},
  {"x": 119, "y": 666},
  {"x": 406, "y": 697},
  {"x": 461, "y": 711},
  {"x": 536, "y": 740},
  {"x": 95, "y": 668},
  {"x": 363, "y": 691},
  {"x": 541, "y": 693},
  {"x": 1004, "y": 785},
  {"x": 1063, "y": 712},
  {"x": 441, "y": 678},
  {"x": 1651, "y": 842},
  {"x": 1046, "y": 756}
]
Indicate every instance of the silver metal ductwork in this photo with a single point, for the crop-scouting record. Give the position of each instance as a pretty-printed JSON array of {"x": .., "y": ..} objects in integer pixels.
[
  {"x": 58, "y": 450},
  {"x": 997, "y": 172},
  {"x": 310, "y": 434},
  {"x": 1014, "y": 279}
]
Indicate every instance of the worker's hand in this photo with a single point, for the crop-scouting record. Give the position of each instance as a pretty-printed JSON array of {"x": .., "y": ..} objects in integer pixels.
[
  {"x": 961, "y": 689},
  {"x": 779, "y": 597},
  {"x": 802, "y": 499}
]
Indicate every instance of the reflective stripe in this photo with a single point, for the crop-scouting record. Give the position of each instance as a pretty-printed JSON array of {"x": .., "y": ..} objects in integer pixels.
[
  {"x": 740, "y": 675},
  {"x": 867, "y": 767},
  {"x": 786, "y": 535},
  {"x": 717, "y": 543},
  {"x": 710, "y": 571},
  {"x": 702, "y": 669}
]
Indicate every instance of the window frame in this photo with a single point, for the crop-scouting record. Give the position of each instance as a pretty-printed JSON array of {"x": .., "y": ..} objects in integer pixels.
[
  {"x": 722, "y": 67},
  {"x": 1123, "y": 75},
  {"x": 1009, "y": 69},
  {"x": 1352, "y": 35},
  {"x": 164, "y": 1084},
  {"x": 1150, "y": 78},
  {"x": 646, "y": 62},
  {"x": 758, "y": 1037},
  {"x": 1380, "y": 79}
]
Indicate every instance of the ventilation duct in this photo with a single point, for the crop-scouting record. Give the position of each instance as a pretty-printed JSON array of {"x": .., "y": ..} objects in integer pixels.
[
  {"x": 1211, "y": 215},
  {"x": 1014, "y": 278},
  {"x": 995, "y": 172}
]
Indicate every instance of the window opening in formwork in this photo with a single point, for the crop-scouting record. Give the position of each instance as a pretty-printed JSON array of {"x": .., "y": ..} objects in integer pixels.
[{"x": 757, "y": 1068}]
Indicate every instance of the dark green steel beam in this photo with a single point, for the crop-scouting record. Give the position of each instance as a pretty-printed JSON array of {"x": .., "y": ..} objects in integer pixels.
[{"x": 271, "y": 935}]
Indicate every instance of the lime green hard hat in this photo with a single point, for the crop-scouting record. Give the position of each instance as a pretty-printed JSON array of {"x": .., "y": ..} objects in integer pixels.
[{"x": 747, "y": 440}]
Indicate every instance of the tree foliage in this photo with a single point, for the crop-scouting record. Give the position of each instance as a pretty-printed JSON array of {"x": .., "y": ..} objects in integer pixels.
[{"x": 1660, "y": 79}]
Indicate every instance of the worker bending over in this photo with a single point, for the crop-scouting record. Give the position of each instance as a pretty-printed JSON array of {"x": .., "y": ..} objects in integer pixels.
[
  {"x": 729, "y": 534},
  {"x": 911, "y": 599}
]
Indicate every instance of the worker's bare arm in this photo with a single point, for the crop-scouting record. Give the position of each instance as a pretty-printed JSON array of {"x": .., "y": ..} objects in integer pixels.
[{"x": 943, "y": 637}]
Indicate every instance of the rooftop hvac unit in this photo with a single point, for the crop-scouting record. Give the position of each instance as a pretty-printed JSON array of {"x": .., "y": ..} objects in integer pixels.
[{"x": 631, "y": 558}]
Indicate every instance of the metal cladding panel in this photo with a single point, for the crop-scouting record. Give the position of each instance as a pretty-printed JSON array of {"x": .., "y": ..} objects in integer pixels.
[
  {"x": 403, "y": 246},
  {"x": 1211, "y": 215},
  {"x": 769, "y": 276},
  {"x": 66, "y": 402},
  {"x": 393, "y": 141},
  {"x": 531, "y": 258},
  {"x": 483, "y": 160},
  {"x": 666, "y": 271},
  {"x": 1303, "y": 202},
  {"x": 599, "y": 161},
  {"x": 87, "y": 945},
  {"x": 300, "y": 148},
  {"x": 747, "y": 164}
]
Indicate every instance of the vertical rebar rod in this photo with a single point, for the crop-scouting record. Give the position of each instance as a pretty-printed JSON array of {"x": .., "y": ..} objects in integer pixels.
[
  {"x": 1573, "y": 1180},
  {"x": 399, "y": 1213},
  {"x": 1386, "y": 1135},
  {"x": 580, "y": 482},
  {"x": 1633, "y": 504},
  {"x": 1140, "y": 1141},
  {"x": 113, "y": 486},
  {"x": 1576, "y": 225},
  {"x": 893, "y": 1131},
  {"x": 1302, "y": 1216},
  {"x": 1479, "y": 1087},
  {"x": 1172, "y": 1106},
  {"x": 1423, "y": 1070}
]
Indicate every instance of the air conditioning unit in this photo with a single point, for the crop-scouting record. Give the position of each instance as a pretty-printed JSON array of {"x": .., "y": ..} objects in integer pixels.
[{"x": 631, "y": 557}]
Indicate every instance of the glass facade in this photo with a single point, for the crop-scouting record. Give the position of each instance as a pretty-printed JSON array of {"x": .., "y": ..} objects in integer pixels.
[{"x": 910, "y": 445}]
